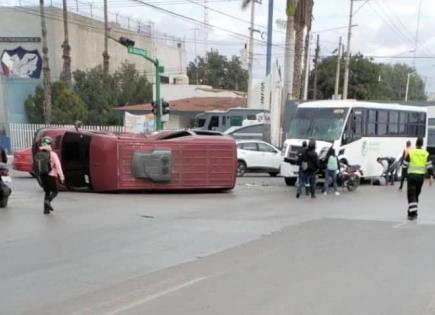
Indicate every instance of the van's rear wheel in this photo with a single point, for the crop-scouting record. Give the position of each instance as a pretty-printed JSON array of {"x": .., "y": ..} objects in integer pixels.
[{"x": 290, "y": 181}]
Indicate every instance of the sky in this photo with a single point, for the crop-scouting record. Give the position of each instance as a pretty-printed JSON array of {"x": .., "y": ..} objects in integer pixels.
[{"x": 385, "y": 29}]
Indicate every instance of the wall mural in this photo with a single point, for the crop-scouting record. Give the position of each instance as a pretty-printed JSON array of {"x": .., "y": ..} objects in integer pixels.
[{"x": 21, "y": 63}]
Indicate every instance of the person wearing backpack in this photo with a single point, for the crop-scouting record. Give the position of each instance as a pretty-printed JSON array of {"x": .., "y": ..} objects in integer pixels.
[
  {"x": 302, "y": 183},
  {"x": 310, "y": 165},
  {"x": 49, "y": 169},
  {"x": 332, "y": 166}
]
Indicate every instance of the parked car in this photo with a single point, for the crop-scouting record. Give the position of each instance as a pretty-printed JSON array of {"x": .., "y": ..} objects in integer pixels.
[
  {"x": 23, "y": 160},
  {"x": 168, "y": 160},
  {"x": 257, "y": 156}
]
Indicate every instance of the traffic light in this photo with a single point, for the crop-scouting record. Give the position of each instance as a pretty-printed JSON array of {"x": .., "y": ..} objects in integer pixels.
[
  {"x": 165, "y": 108},
  {"x": 127, "y": 42}
]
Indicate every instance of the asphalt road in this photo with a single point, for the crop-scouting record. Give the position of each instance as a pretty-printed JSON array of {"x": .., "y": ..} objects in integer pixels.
[{"x": 255, "y": 250}]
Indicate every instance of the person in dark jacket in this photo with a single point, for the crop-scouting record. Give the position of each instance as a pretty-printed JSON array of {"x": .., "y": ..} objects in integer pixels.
[
  {"x": 310, "y": 165},
  {"x": 4, "y": 157},
  {"x": 302, "y": 183}
]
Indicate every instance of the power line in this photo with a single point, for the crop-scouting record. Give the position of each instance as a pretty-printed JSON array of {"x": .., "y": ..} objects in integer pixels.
[
  {"x": 398, "y": 27},
  {"x": 192, "y": 20}
]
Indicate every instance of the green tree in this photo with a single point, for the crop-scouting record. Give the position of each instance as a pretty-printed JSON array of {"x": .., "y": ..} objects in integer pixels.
[
  {"x": 99, "y": 92},
  {"x": 132, "y": 87},
  {"x": 219, "y": 72},
  {"x": 369, "y": 80},
  {"x": 67, "y": 106}
]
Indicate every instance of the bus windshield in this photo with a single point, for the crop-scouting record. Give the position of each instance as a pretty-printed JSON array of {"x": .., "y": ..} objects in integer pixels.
[{"x": 318, "y": 123}]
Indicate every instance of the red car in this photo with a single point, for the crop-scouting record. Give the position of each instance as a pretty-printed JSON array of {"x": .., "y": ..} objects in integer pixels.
[
  {"x": 168, "y": 160},
  {"x": 23, "y": 160}
]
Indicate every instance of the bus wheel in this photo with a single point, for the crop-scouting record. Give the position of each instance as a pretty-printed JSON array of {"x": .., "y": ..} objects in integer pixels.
[{"x": 290, "y": 181}]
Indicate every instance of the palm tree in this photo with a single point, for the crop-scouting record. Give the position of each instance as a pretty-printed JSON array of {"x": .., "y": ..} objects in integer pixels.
[
  {"x": 303, "y": 20},
  {"x": 66, "y": 73},
  {"x": 45, "y": 65}
]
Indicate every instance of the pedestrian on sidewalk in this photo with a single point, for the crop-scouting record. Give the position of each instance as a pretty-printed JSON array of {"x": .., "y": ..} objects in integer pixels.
[
  {"x": 332, "y": 166},
  {"x": 49, "y": 170},
  {"x": 418, "y": 165},
  {"x": 402, "y": 160}
]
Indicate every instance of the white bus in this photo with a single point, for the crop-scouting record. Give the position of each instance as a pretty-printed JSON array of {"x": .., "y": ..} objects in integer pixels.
[{"x": 360, "y": 132}]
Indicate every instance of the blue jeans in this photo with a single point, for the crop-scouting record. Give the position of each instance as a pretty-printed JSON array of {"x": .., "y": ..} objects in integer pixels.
[
  {"x": 330, "y": 174},
  {"x": 307, "y": 178}
]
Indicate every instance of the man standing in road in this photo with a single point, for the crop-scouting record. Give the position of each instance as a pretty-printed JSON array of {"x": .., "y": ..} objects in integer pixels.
[
  {"x": 309, "y": 165},
  {"x": 49, "y": 169},
  {"x": 404, "y": 168},
  {"x": 417, "y": 164}
]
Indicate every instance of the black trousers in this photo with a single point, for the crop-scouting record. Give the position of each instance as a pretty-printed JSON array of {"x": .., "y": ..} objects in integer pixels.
[
  {"x": 415, "y": 183},
  {"x": 404, "y": 175},
  {"x": 49, "y": 184}
]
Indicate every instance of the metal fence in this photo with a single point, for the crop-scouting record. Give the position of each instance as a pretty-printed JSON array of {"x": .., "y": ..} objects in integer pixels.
[{"x": 21, "y": 135}]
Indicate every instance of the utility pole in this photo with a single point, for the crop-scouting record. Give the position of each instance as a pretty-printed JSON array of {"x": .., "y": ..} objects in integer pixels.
[
  {"x": 307, "y": 67},
  {"x": 417, "y": 31},
  {"x": 251, "y": 56},
  {"x": 407, "y": 85},
  {"x": 316, "y": 61},
  {"x": 66, "y": 73},
  {"x": 337, "y": 73},
  {"x": 106, "y": 56},
  {"x": 269, "y": 37},
  {"x": 347, "y": 59},
  {"x": 45, "y": 65},
  {"x": 196, "y": 56}
]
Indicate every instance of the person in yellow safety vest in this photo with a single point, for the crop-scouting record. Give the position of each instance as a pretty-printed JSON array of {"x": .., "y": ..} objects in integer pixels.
[{"x": 418, "y": 165}]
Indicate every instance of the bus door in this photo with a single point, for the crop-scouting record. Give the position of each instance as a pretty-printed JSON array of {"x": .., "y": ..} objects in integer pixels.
[{"x": 352, "y": 146}]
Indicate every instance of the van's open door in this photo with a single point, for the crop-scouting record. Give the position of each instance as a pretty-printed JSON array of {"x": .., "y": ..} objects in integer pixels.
[{"x": 75, "y": 161}]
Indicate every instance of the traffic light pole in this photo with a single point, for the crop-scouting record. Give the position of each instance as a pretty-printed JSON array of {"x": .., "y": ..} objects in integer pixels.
[
  {"x": 142, "y": 53},
  {"x": 159, "y": 125},
  {"x": 159, "y": 69}
]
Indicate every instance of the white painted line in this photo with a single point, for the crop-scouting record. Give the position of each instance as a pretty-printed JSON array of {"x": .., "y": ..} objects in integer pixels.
[
  {"x": 156, "y": 296},
  {"x": 400, "y": 225}
]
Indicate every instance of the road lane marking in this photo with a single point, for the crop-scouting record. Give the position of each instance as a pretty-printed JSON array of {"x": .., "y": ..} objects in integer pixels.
[
  {"x": 156, "y": 295},
  {"x": 397, "y": 226}
]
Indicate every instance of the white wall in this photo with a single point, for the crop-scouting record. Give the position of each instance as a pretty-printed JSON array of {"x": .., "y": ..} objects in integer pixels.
[
  {"x": 171, "y": 92},
  {"x": 86, "y": 37},
  {"x": 177, "y": 122}
]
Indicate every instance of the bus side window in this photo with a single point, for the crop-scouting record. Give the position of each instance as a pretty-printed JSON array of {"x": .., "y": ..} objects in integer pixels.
[{"x": 353, "y": 130}]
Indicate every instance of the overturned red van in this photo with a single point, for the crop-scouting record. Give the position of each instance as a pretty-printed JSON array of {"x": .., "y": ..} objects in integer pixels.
[{"x": 168, "y": 160}]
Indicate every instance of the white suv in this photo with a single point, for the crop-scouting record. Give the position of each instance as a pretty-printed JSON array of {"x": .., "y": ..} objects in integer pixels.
[{"x": 255, "y": 155}]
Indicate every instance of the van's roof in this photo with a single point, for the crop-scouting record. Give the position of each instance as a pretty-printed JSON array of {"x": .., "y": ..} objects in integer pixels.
[{"x": 362, "y": 104}]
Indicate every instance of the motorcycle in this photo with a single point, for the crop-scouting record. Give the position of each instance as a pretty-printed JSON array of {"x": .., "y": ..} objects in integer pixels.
[
  {"x": 5, "y": 190},
  {"x": 349, "y": 176}
]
